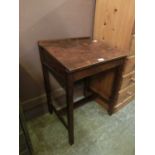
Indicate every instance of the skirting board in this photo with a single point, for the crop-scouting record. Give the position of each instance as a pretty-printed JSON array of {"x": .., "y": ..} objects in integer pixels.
[{"x": 37, "y": 106}]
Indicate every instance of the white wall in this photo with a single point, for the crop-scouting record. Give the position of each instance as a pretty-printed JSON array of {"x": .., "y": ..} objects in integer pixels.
[{"x": 48, "y": 19}]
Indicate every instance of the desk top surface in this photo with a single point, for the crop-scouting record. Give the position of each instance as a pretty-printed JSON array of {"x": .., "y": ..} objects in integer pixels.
[{"x": 80, "y": 53}]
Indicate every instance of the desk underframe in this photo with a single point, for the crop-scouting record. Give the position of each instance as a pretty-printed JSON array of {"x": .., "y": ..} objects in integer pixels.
[{"x": 67, "y": 81}]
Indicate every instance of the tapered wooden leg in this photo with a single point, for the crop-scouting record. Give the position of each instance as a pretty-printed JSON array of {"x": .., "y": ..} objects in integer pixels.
[
  {"x": 47, "y": 88},
  {"x": 86, "y": 86},
  {"x": 69, "y": 96}
]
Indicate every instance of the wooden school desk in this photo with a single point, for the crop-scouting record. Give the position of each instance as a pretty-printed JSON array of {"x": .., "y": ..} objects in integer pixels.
[{"x": 71, "y": 60}]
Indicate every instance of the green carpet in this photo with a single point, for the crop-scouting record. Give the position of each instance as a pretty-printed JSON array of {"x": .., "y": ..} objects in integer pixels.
[{"x": 96, "y": 133}]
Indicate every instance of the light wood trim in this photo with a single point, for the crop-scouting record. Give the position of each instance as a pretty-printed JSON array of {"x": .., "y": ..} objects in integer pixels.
[
  {"x": 129, "y": 65},
  {"x": 125, "y": 93},
  {"x": 127, "y": 100},
  {"x": 127, "y": 80},
  {"x": 132, "y": 46},
  {"x": 128, "y": 74},
  {"x": 125, "y": 89}
]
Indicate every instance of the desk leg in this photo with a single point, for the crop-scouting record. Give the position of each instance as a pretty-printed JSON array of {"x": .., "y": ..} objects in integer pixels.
[
  {"x": 69, "y": 99},
  {"x": 86, "y": 86},
  {"x": 115, "y": 88},
  {"x": 47, "y": 88}
]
